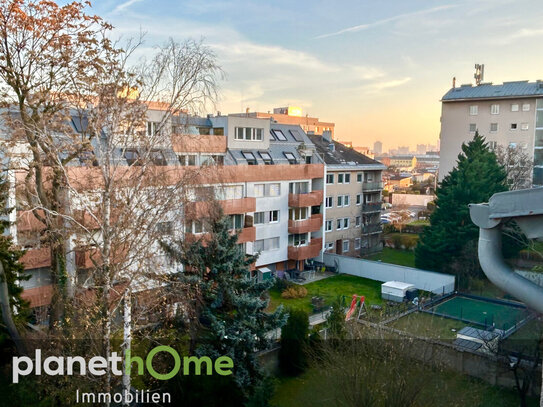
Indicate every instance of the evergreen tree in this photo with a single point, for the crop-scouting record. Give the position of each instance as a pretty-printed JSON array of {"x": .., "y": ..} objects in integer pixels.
[
  {"x": 449, "y": 244},
  {"x": 294, "y": 341},
  {"x": 232, "y": 313},
  {"x": 336, "y": 319}
]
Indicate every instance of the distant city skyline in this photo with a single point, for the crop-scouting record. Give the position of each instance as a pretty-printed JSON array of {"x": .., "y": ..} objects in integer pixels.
[{"x": 377, "y": 70}]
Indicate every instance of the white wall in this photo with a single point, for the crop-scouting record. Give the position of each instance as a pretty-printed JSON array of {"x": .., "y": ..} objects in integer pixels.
[
  {"x": 411, "y": 199},
  {"x": 438, "y": 283}
]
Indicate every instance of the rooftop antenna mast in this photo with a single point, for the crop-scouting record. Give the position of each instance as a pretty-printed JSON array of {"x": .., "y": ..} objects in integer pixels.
[{"x": 479, "y": 73}]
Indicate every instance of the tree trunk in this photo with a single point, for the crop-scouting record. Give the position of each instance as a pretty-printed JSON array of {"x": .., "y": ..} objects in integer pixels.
[
  {"x": 127, "y": 342},
  {"x": 7, "y": 316}
]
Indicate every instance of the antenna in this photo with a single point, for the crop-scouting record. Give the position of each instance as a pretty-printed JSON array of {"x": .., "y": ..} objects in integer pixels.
[{"x": 479, "y": 73}]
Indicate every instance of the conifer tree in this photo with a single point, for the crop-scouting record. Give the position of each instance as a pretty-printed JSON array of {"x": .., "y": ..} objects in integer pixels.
[
  {"x": 449, "y": 244},
  {"x": 232, "y": 309}
]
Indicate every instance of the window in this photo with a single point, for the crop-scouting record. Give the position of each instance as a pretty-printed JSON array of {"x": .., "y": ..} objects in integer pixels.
[
  {"x": 342, "y": 223},
  {"x": 494, "y": 109},
  {"x": 132, "y": 157},
  {"x": 187, "y": 159},
  {"x": 218, "y": 131},
  {"x": 345, "y": 246},
  {"x": 296, "y": 134},
  {"x": 152, "y": 128},
  {"x": 346, "y": 200},
  {"x": 235, "y": 222},
  {"x": 329, "y": 246},
  {"x": 472, "y": 127},
  {"x": 290, "y": 157},
  {"x": 473, "y": 110},
  {"x": 357, "y": 221},
  {"x": 164, "y": 228},
  {"x": 157, "y": 157},
  {"x": 266, "y": 157},
  {"x": 357, "y": 243},
  {"x": 297, "y": 240},
  {"x": 512, "y": 145},
  {"x": 359, "y": 177},
  {"x": 493, "y": 127},
  {"x": 298, "y": 187},
  {"x": 329, "y": 202},
  {"x": 524, "y": 126},
  {"x": 328, "y": 226},
  {"x": 514, "y": 107},
  {"x": 513, "y": 126},
  {"x": 340, "y": 201},
  {"x": 340, "y": 178},
  {"x": 267, "y": 190},
  {"x": 347, "y": 179},
  {"x": 250, "y": 157},
  {"x": 358, "y": 199},
  {"x": 346, "y": 222},
  {"x": 297, "y": 213},
  {"x": 368, "y": 198},
  {"x": 329, "y": 178},
  {"x": 525, "y": 107},
  {"x": 261, "y": 218},
  {"x": 492, "y": 145},
  {"x": 339, "y": 224},
  {"x": 248, "y": 133},
  {"x": 194, "y": 227},
  {"x": 278, "y": 134},
  {"x": 263, "y": 245},
  {"x": 344, "y": 178},
  {"x": 229, "y": 192}
]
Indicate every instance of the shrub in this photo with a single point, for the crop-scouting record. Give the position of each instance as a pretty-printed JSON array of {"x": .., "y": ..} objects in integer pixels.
[
  {"x": 294, "y": 291},
  {"x": 282, "y": 284}
]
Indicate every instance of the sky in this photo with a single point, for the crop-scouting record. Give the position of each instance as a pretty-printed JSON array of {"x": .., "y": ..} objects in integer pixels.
[{"x": 376, "y": 69}]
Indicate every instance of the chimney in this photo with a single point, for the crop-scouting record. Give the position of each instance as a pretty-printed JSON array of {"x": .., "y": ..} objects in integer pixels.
[
  {"x": 454, "y": 82},
  {"x": 247, "y": 111},
  {"x": 327, "y": 135}
]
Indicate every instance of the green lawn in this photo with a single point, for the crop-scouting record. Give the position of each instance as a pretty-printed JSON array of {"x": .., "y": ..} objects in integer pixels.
[
  {"x": 330, "y": 288},
  {"x": 430, "y": 326},
  {"x": 424, "y": 222},
  {"x": 296, "y": 391},
  {"x": 394, "y": 256}
]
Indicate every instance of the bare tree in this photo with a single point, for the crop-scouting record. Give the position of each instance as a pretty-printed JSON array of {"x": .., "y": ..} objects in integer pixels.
[{"x": 518, "y": 165}]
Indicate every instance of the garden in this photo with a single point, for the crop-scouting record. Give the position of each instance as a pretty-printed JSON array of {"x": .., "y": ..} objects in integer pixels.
[{"x": 328, "y": 289}]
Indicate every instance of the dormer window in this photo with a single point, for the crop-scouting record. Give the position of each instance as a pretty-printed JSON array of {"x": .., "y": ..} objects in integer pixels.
[
  {"x": 266, "y": 157},
  {"x": 290, "y": 157},
  {"x": 250, "y": 157},
  {"x": 278, "y": 134}
]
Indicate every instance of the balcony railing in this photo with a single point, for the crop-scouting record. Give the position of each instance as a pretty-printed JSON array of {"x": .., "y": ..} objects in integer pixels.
[
  {"x": 374, "y": 228},
  {"x": 371, "y": 186},
  {"x": 313, "y": 224},
  {"x": 247, "y": 235},
  {"x": 371, "y": 207},
  {"x": 307, "y": 199},
  {"x": 313, "y": 249}
]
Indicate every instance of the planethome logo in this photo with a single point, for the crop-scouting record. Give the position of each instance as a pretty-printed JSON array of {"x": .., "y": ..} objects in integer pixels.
[{"x": 100, "y": 365}]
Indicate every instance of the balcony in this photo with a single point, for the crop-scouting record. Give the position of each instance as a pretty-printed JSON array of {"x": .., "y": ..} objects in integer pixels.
[
  {"x": 369, "y": 229},
  {"x": 372, "y": 186},
  {"x": 247, "y": 235},
  {"x": 202, "y": 209},
  {"x": 312, "y": 224},
  {"x": 305, "y": 252},
  {"x": 36, "y": 258},
  {"x": 303, "y": 200},
  {"x": 371, "y": 207}
]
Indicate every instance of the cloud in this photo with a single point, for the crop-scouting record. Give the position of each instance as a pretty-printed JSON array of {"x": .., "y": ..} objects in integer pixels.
[
  {"x": 124, "y": 5},
  {"x": 526, "y": 33},
  {"x": 384, "y": 21}
]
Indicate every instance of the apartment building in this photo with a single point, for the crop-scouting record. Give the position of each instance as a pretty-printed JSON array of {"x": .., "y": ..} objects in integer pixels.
[
  {"x": 510, "y": 114},
  {"x": 267, "y": 177},
  {"x": 352, "y": 224},
  {"x": 293, "y": 115}
]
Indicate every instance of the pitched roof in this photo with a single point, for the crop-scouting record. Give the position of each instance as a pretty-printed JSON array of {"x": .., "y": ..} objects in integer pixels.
[
  {"x": 490, "y": 91},
  {"x": 341, "y": 155}
]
